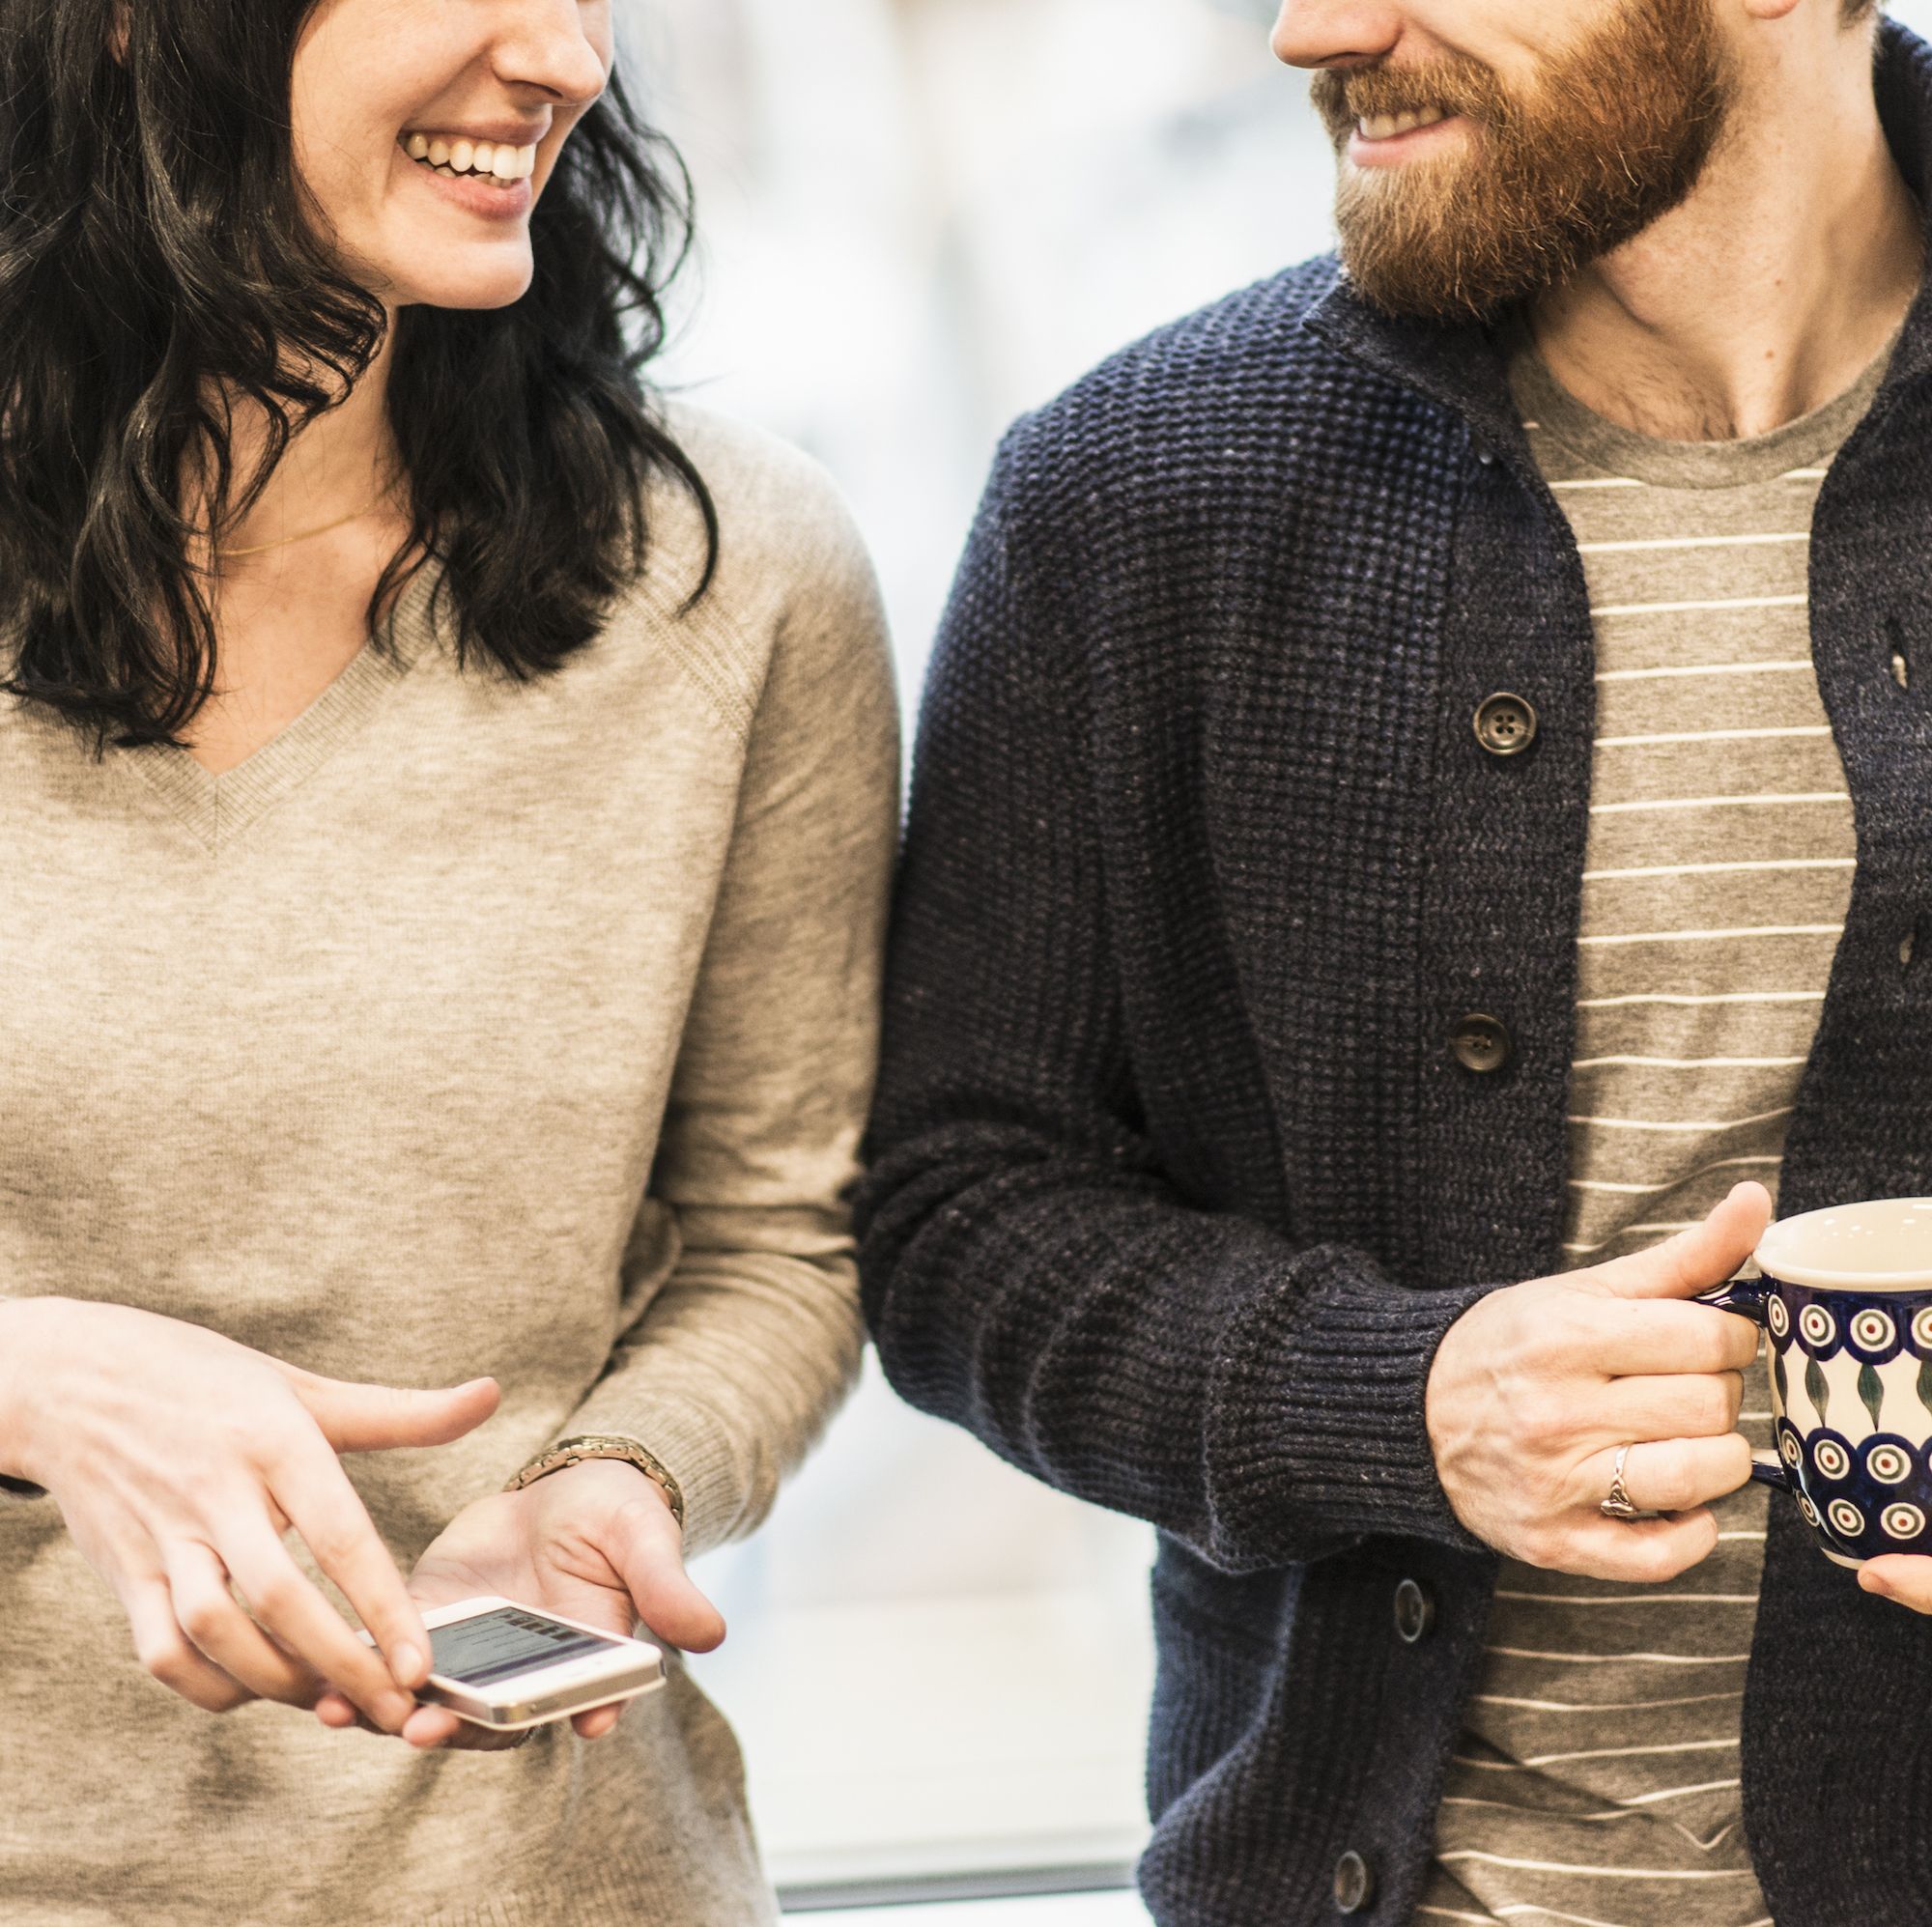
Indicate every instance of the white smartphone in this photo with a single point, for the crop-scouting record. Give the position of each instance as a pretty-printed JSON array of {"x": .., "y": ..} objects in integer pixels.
[{"x": 508, "y": 1666}]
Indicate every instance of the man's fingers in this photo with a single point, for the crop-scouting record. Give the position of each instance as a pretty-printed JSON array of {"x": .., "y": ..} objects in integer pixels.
[
  {"x": 649, "y": 1556},
  {"x": 1640, "y": 1337},
  {"x": 376, "y": 1418},
  {"x": 1678, "y": 1405},
  {"x": 206, "y": 1610},
  {"x": 1696, "y": 1260},
  {"x": 296, "y": 1612},
  {"x": 1639, "y": 1552},
  {"x": 170, "y": 1656},
  {"x": 1670, "y": 1475}
]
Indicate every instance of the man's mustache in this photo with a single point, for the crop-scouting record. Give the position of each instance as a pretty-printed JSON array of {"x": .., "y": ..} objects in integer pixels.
[{"x": 1345, "y": 96}]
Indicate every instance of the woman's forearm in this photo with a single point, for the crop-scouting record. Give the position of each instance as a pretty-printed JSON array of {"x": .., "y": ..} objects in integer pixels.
[
  {"x": 754, "y": 1335},
  {"x": 733, "y": 1375}
]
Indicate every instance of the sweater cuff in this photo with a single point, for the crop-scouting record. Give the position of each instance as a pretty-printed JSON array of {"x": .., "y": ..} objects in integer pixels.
[
  {"x": 1316, "y": 1422},
  {"x": 695, "y": 1448}
]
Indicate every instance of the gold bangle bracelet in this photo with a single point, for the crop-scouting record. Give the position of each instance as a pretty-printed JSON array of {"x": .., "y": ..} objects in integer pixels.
[{"x": 568, "y": 1451}]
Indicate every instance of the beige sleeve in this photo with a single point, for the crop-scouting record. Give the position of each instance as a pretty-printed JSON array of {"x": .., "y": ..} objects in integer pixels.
[{"x": 753, "y": 1340}]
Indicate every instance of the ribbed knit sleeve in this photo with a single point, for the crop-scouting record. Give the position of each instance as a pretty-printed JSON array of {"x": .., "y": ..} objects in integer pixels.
[
  {"x": 1028, "y": 1269},
  {"x": 753, "y": 1336}
]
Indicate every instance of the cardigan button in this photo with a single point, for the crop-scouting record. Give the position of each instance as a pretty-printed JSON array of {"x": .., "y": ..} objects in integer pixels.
[
  {"x": 1355, "y": 1884},
  {"x": 1414, "y": 1612},
  {"x": 1481, "y": 1043},
  {"x": 1506, "y": 723}
]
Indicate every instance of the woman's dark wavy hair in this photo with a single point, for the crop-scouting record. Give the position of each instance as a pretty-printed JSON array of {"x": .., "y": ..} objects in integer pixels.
[{"x": 152, "y": 243}]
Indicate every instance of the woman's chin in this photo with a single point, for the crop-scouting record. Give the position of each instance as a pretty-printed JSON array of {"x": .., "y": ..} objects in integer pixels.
[{"x": 469, "y": 284}]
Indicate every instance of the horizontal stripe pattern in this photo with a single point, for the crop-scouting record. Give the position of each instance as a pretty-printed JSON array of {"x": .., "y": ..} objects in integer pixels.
[
  {"x": 1597, "y": 1777},
  {"x": 1655, "y": 543},
  {"x": 1698, "y": 606},
  {"x": 1710, "y": 736},
  {"x": 1665, "y": 672}
]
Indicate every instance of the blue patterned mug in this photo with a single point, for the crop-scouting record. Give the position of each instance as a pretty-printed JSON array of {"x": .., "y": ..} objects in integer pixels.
[{"x": 1845, "y": 1295}]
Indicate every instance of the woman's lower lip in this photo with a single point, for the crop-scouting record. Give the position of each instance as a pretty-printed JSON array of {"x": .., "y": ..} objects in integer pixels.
[
  {"x": 1366, "y": 152},
  {"x": 501, "y": 204}
]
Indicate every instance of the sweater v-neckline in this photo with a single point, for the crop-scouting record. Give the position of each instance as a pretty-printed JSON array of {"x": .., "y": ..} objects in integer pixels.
[{"x": 214, "y": 806}]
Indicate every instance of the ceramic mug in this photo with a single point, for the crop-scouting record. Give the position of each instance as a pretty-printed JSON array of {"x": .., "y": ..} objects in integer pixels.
[{"x": 1845, "y": 1297}]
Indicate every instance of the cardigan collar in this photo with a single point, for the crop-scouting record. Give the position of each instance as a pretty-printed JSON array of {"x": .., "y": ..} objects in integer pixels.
[{"x": 1459, "y": 364}]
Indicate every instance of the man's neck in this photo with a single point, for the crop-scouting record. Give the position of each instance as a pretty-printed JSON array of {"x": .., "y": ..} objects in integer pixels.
[{"x": 1765, "y": 295}]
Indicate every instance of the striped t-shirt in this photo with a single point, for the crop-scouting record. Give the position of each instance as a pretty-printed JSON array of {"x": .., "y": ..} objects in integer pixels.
[{"x": 1596, "y": 1778}]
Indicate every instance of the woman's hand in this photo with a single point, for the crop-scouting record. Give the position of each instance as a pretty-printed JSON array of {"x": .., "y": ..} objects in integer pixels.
[
  {"x": 595, "y": 1543},
  {"x": 179, "y": 1458}
]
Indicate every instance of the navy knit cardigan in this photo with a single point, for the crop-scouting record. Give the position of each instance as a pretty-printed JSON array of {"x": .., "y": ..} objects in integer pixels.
[{"x": 1177, "y": 1184}]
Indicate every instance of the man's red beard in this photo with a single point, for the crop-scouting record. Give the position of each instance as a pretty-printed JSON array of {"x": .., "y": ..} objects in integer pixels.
[{"x": 1615, "y": 133}]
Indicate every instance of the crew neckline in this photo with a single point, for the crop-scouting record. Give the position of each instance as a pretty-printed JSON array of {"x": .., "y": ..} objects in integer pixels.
[{"x": 1612, "y": 450}]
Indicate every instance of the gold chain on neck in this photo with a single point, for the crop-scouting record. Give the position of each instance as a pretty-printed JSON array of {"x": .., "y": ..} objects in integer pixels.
[{"x": 257, "y": 547}]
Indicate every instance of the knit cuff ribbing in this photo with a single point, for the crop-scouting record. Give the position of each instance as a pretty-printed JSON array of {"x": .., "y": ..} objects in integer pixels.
[
  {"x": 1316, "y": 1420},
  {"x": 695, "y": 1446}
]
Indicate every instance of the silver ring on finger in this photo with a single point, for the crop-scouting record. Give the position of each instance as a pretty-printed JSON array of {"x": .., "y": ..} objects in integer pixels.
[{"x": 1618, "y": 1503}]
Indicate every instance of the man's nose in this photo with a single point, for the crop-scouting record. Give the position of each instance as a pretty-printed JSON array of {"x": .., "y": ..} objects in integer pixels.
[{"x": 1336, "y": 33}]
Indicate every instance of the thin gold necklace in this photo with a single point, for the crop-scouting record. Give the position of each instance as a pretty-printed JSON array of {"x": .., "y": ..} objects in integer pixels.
[{"x": 257, "y": 547}]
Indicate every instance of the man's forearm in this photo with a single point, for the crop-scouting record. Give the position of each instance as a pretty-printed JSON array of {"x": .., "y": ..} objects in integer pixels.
[{"x": 1262, "y": 1401}]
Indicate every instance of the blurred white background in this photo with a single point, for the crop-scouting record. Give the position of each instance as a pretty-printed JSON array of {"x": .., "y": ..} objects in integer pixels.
[
  {"x": 921, "y": 216},
  {"x": 918, "y": 218}
]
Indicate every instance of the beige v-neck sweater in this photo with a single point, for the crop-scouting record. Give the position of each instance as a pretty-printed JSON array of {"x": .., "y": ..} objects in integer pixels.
[{"x": 467, "y": 1027}]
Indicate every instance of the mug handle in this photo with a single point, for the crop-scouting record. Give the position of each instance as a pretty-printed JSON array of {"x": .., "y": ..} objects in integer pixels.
[{"x": 1746, "y": 1298}]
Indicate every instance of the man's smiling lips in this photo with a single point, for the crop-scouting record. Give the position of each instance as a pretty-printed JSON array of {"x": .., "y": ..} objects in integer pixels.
[{"x": 1381, "y": 140}]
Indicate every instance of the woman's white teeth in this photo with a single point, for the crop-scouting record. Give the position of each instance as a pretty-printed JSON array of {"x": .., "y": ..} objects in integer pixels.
[
  {"x": 502, "y": 161},
  {"x": 1385, "y": 127}
]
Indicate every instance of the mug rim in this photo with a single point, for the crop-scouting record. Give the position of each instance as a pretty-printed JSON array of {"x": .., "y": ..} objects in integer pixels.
[{"x": 1797, "y": 1270}]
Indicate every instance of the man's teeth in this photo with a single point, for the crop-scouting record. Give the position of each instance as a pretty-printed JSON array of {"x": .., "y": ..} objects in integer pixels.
[
  {"x": 504, "y": 163},
  {"x": 1385, "y": 127}
]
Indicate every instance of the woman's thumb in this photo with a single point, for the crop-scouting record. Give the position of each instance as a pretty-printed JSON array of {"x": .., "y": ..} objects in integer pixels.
[
  {"x": 648, "y": 1557},
  {"x": 376, "y": 1418},
  {"x": 672, "y": 1607}
]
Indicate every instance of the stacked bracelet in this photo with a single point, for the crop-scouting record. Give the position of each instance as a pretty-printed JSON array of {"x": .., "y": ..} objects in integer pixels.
[{"x": 599, "y": 1445}]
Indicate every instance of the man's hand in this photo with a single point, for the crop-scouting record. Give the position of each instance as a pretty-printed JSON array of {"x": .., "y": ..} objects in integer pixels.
[
  {"x": 596, "y": 1543},
  {"x": 1536, "y": 1386},
  {"x": 1904, "y": 1577}
]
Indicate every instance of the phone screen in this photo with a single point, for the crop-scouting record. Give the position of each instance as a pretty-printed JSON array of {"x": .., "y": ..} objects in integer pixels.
[{"x": 505, "y": 1640}]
